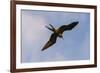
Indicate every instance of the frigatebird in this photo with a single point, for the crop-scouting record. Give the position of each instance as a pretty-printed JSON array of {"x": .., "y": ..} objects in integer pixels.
[{"x": 58, "y": 33}]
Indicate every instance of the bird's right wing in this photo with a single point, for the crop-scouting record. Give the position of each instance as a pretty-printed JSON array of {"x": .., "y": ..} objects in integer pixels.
[
  {"x": 51, "y": 41},
  {"x": 67, "y": 27}
]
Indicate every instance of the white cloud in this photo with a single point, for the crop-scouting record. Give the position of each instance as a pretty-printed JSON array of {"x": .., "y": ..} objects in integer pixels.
[{"x": 33, "y": 27}]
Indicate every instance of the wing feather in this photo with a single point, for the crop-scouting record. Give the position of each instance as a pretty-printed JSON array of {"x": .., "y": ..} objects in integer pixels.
[
  {"x": 51, "y": 41},
  {"x": 67, "y": 27}
]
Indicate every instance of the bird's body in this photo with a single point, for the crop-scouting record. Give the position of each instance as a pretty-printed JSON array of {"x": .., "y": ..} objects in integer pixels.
[{"x": 58, "y": 33}]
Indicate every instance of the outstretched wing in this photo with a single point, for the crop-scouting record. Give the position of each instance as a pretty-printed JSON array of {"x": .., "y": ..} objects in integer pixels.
[
  {"x": 51, "y": 41},
  {"x": 67, "y": 27}
]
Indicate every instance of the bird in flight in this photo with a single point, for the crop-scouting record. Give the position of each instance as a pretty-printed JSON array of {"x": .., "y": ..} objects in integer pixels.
[{"x": 58, "y": 33}]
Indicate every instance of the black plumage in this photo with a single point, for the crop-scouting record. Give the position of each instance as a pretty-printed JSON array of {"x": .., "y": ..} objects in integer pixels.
[
  {"x": 51, "y": 41},
  {"x": 67, "y": 27},
  {"x": 58, "y": 33}
]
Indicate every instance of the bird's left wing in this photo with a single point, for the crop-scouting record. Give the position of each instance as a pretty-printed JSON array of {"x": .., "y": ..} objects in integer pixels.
[
  {"x": 67, "y": 27},
  {"x": 51, "y": 41}
]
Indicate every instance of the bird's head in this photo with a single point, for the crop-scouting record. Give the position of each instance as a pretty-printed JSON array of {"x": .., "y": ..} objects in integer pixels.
[{"x": 60, "y": 35}]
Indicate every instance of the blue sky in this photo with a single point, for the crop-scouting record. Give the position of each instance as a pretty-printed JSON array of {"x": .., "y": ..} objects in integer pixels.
[{"x": 74, "y": 46}]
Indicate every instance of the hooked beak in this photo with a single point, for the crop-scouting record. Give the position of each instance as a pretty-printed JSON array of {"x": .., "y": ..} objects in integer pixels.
[{"x": 62, "y": 37}]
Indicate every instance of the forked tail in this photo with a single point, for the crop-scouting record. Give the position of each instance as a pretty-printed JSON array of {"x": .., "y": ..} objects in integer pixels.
[{"x": 52, "y": 28}]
